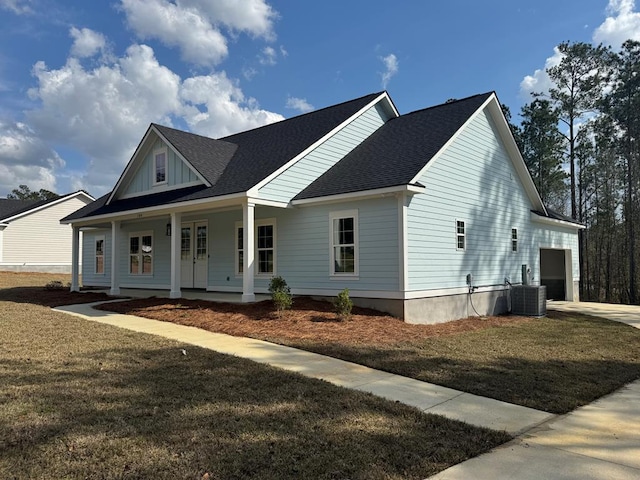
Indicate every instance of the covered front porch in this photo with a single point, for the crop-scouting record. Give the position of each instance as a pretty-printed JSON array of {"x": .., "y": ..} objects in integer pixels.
[
  {"x": 222, "y": 251},
  {"x": 191, "y": 294}
]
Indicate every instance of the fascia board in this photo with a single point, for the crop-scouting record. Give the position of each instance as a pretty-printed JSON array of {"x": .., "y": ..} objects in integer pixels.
[{"x": 49, "y": 204}]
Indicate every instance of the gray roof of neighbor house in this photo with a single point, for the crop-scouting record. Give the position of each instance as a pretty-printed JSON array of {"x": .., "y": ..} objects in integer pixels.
[
  {"x": 236, "y": 163},
  {"x": 10, "y": 208},
  {"x": 397, "y": 151}
]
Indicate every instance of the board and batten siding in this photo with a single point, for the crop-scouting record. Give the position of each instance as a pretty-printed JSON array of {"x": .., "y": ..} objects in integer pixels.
[
  {"x": 307, "y": 169},
  {"x": 178, "y": 173},
  {"x": 39, "y": 238},
  {"x": 474, "y": 180}
]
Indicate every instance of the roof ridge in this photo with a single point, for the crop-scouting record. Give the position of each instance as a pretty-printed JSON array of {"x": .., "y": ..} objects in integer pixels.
[
  {"x": 191, "y": 133},
  {"x": 307, "y": 113},
  {"x": 451, "y": 102}
]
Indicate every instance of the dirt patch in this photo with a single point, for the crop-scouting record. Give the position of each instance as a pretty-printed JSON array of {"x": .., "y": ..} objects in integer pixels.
[{"x": 308, "y": 319}]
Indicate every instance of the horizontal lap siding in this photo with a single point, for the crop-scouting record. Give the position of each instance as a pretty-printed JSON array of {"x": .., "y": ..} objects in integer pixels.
[
  {"x": 558, "y": 238},
  {"x": 39, "y": 237},
  {"x": 474, "y": 181},
  {"x": 178, "y": 172},
  {"x": 300, "y": 175},
  {"x": 89, "y": 277}
]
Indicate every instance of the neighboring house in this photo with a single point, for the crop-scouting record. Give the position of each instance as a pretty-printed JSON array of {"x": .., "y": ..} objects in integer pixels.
[
  {"x": 31, "y": 236},
  {"x": 399, "y": 209}
]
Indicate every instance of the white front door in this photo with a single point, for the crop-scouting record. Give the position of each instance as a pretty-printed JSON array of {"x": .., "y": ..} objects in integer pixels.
[{"x": 194, "y": 255}]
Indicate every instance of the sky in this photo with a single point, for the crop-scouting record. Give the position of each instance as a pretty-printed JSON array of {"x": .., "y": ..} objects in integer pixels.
[{"x": 80, "y": 81}]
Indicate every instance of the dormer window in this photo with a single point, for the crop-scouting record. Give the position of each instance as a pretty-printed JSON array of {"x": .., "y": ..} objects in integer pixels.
[{"x": 160, "y": 167}]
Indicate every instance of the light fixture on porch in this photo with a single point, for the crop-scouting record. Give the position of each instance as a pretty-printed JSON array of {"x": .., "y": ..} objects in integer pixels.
[{"x": 168, "y": 229}]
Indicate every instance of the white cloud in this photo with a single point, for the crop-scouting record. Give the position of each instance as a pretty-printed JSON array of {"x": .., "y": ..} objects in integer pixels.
[
  {"x": 269, "y": 56},
  {"x": 199, "y": 41},
  {"x": 194, "y": 25},
  {"x": 622, "y": 24},
  {"x": 103, "y": 112},
  {"x": 299, "y": 104},
  {"x": 391, "y": 66},
  {"x": 86, "y": 42},
  {"x": 26, "y": 159},
  {"x": 540, "y": 82},
  {"x": 19, "y": 7}
]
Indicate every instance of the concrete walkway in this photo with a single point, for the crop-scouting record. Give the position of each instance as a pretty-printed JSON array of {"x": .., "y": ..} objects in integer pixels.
[
  {"x": 598, "y": 441},
  {"x": 480, "y": 411}
]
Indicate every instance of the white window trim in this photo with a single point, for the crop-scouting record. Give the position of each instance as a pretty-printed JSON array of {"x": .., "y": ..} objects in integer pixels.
[
  {"x": 355, "y": 275},
  {"x": 96, "y": 239},
  {"x": 166, "y": 166},
  {"x": 516, "y": 239},
  {"x": 458, "y": 235},
  {"x": 258, "y": 223},
  {"x": 140, "y": 235}
]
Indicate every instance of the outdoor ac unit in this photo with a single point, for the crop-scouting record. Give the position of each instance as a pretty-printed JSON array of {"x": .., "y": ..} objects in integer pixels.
[{"x": 529, "y": 300}]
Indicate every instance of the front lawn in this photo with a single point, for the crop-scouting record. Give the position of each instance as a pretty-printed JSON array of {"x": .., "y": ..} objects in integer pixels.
[
  {"x": 553, "y": 364},
  {"x": 85, "y": 400}
]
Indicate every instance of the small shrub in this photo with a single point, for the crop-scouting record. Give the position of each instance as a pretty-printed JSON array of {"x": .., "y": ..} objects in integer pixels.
[
  {"x": 282, "y": 301},
  {"x": 280, "y": 295},
  {"x": 57, "y": 285},
  {"x": 343, "y": 305},
  {"x": 278, "y": 284}
]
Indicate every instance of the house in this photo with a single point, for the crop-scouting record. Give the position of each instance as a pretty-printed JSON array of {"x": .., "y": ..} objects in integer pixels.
[
  {"x": 429, "y": 216},
  {"x": 31, "y": 236}
]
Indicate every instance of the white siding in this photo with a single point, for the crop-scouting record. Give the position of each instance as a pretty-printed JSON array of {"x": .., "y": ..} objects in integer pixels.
[
  {"x": 301, "y": 174},
  {"x": 177, "y": 173},
  {"x": 38, "y": 238},
  {"x": 474, "y": 180}
]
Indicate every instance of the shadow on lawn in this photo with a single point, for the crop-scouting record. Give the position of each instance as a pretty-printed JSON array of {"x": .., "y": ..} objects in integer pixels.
[
  {"x": 156, "y": 413},
  {"x": 50, "y": 298}
]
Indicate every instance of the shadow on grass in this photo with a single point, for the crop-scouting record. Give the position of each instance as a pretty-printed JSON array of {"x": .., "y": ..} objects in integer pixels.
[
  {"x": 152, "y": 412},
  {"x": 50, "y": 298}
]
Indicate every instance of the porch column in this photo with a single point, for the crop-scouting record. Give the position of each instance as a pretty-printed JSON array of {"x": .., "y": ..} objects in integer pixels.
[
  {"x": 176, "y": 235},
  {"x": 115, "y": 258},
  {"x": 248, "y": 242},
  {"x": 75, "y": 258}
]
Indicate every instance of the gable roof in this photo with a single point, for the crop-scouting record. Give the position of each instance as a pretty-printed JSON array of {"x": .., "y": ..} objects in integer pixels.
[
  {"x": 12, "y": 209},
  {"x": 397, "y": 151}
]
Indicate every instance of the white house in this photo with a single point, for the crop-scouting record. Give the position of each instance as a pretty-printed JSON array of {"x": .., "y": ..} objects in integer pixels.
[
  {"x": 32, "y": 239},
  {"x": 403, "y": 210}
]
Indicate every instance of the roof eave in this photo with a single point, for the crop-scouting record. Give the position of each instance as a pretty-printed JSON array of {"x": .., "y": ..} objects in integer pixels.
[
  {"x": 47, "y": 205},
  {"x": 536, "y": 217},
  {"x": 410, "y": 189}
]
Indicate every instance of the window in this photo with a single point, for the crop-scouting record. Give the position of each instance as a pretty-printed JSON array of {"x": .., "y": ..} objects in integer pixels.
[
  {"x": 514, "y": 239},
  {"x": 160, "y": 167},
  {"x": 461, "y": 241},
  {"x": 344, "y": 243},
  {"x": 99, "y": 254},
  {"x": 141, "y": 253},
  {"x": 265, "y": 248}
]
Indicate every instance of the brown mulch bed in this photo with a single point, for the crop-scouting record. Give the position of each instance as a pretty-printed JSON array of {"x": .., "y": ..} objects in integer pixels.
[
  {"x": 50, "y": 298},
  {"x": 308, "y": 319}
]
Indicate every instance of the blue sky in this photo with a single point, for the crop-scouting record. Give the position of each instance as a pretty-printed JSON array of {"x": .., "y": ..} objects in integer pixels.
[{"x": 81, "y": 81}]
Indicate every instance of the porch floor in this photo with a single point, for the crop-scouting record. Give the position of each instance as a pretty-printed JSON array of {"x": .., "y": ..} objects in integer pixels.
[{"x": 187, "y": 293}]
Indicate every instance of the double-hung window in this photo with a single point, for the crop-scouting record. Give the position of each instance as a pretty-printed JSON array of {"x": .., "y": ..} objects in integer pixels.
[
  {"x": 99, "y": 255},
  {"x": 141, "y": 253},
  {"x": 461, "y": 235},
  {"x": 160, "y": 167},
  {"x": 265, "y": 248},
  {"x": 343, "y": 228},
  {"x": 514, "y": 239}
]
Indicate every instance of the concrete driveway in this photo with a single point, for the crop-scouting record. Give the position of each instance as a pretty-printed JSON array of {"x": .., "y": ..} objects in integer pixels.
[{"x": 597, "y": 441}]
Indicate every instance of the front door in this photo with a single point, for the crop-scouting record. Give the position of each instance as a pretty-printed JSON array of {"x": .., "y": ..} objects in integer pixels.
[{"x": 194, "y": 255}]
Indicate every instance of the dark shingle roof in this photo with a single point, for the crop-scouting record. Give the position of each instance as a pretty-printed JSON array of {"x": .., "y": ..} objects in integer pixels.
[
  {"x": 9, "y": 208},
  {"x": 397, "y": 151},
  {"x": 236, "y": 163}
]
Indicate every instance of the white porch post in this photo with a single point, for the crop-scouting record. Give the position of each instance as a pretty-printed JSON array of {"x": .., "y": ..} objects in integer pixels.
[
  {"x": 248, "y": 242},
  {"x": 115, "y": 258},
  {"x": 75, "y": 259},
  {"x": 176, "y": 232}
]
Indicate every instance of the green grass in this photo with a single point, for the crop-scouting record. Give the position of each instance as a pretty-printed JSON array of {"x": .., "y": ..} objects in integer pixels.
[
  {"x": 553, "y": 364},
  {"x": 85, "y": 400}
]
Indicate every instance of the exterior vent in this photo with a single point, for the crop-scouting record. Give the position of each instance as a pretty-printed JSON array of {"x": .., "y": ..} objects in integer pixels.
[{"x": 529, "y": 300}]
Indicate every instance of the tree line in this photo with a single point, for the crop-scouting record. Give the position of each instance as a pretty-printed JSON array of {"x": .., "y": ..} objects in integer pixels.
[{"x": 581, "y": 143}]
